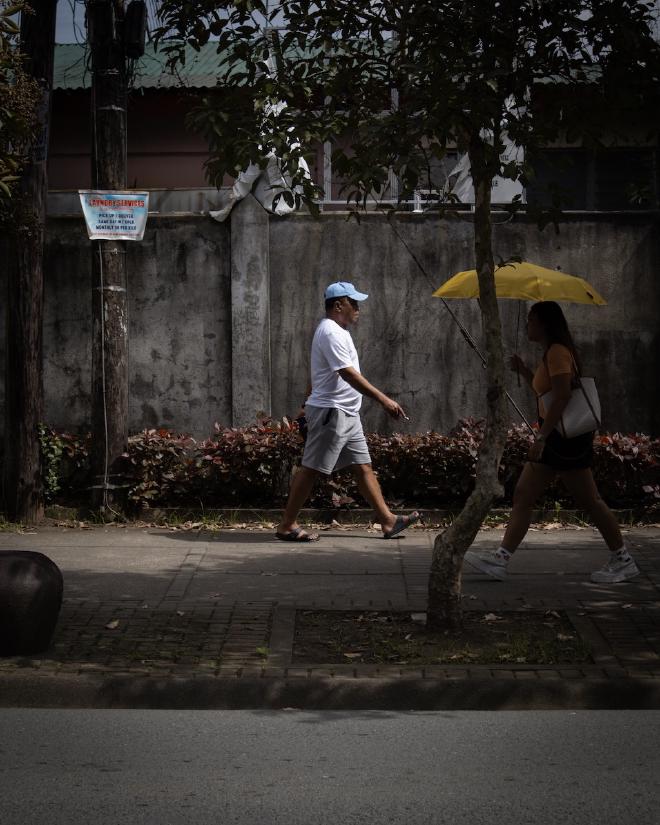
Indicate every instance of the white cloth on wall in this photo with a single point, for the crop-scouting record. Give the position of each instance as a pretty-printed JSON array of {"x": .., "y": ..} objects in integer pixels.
[{"x": 264, "y": 184}]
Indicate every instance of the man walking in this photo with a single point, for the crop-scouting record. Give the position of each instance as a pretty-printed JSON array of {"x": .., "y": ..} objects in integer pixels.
[{"x": 334, "y": 431}]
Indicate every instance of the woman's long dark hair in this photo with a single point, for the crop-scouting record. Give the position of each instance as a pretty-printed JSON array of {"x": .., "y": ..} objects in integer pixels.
[{"x": 550, "y": 315}]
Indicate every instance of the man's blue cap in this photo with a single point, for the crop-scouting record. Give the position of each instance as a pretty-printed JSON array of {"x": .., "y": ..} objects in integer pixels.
[{"x": 342, "y": 289}]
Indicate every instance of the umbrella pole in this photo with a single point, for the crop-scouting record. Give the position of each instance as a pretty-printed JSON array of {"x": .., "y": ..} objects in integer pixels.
[
  {"x": 517, "y": 331},
  {"x": 472, "y": 343},
  {"x": 464, "y": 332}
]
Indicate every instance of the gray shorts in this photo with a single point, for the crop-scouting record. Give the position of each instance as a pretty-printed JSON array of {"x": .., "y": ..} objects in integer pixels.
[{"x": 334, "y": 440}]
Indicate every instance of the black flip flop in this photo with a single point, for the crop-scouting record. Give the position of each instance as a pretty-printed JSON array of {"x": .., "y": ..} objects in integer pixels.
[
  {"x": 401, "y": 524},
  {"x": 297, "y": 534}
]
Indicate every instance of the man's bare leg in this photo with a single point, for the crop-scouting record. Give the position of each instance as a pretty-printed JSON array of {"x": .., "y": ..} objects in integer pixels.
[
  {"x": 301, "y": 487},
  {"x": 370, "y": 488}
]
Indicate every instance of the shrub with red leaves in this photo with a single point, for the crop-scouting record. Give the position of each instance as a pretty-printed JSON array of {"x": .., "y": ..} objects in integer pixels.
[
  {"x": 161, "y": 466},
  {"x": 627, "y": 469},
  {"x": 251, "y": 467}
]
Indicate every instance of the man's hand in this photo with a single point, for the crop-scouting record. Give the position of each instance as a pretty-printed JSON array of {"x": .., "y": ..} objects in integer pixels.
[
  {"x": 360, "y": 383},
  {"x": 393, "y": 409}
]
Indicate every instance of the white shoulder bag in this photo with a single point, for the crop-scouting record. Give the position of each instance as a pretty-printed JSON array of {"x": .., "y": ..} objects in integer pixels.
[{"x": 582, "y": 413}]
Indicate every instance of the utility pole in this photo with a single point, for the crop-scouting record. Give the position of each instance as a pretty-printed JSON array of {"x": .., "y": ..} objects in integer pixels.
[
  {"x": 23, "y": 487},
  {"x": 105, "y": 20}
]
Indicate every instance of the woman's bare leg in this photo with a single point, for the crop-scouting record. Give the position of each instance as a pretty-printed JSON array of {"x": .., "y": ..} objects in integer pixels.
[
  {"x": 531, "y": 484},
  {"x": 581, "y": 485}
]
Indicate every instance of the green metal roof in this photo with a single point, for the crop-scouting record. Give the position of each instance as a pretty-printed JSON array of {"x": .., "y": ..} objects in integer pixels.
[{"x": 73, "y": 68}]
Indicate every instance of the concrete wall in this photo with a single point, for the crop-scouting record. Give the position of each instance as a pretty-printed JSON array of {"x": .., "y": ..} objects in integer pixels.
[
  {"x": 221, "y": 316},
  {"x": 408, "y": 343},
  {"x": 179, "y": 326}
]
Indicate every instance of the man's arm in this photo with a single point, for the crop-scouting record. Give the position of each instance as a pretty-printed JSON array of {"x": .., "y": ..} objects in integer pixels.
[{"x": 360, "y": 383}]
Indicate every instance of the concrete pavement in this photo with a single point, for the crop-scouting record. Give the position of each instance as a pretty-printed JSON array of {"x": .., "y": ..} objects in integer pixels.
[{"x": 192, "y": 618}]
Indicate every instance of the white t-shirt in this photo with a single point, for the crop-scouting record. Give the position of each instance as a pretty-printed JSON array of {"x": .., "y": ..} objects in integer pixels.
[{"x": 332, "y": 350}]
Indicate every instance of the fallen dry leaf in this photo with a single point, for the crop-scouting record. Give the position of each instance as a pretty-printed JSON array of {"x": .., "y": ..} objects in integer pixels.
[{"x": 113, "y": 625}]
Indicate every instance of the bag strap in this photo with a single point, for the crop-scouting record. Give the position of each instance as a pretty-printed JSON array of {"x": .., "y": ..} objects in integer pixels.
[
  {"x": 575, "y": 364},
  {"x": 586, "y": 398},
  {"x": 579, "y": 380},
  {"x": 584, "y": 392}
]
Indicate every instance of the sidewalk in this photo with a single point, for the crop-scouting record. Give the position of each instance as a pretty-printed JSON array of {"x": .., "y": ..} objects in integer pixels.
[{"x": 160, "y": 618}]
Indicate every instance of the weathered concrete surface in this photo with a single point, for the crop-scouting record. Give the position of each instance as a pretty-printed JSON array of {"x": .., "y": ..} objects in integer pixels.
[
  {"x": 180, "y": 344},
  {"x": 179, "y": 326},
  {"x": 203, "y": 296},
  {"x": 250, "y": 312}
]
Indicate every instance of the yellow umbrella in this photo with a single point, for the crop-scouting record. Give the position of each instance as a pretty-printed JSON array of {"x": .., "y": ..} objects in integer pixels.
[{"x": 525, "y": 281}]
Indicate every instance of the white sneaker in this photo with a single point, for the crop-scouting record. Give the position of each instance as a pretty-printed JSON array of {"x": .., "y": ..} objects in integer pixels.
[
  {"x": 619, "y": 568},
  {"x": 492, "y": 564}
]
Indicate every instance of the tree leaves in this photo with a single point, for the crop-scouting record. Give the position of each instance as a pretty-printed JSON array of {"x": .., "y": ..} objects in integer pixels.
[
  {"x": 18, "y": 97},
  {"x": 460, "y": 68}
]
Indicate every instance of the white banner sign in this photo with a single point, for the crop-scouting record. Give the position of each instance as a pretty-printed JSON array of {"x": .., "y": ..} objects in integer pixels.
[{"x": 112, "y": 215}]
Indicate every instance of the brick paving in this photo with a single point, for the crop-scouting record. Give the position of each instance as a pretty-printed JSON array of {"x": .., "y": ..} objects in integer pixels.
[{"x": 156, "y": 603}]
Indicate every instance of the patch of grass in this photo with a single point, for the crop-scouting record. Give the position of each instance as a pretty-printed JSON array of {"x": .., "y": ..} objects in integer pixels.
[
  {"x": 496, "y": 519},
  {"x": 10, "y": 526},
  {"x": 370, "y": 637}
]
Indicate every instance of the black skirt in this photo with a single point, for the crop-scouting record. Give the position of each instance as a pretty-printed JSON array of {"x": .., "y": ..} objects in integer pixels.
[{"x": 567, "y": 453}]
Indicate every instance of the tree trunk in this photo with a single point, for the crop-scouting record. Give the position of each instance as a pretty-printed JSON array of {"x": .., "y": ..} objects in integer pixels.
[
  {"x": 444, "y": 594},
  {"x": 24, "y": 368},
  {"x": 109, "y": 300}
]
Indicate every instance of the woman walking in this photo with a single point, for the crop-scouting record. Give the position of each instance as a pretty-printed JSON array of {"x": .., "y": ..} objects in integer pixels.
[{"x": 552, "y": 454}]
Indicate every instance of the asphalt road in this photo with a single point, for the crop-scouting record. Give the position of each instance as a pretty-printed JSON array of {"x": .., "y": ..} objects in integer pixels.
[{"x": 269, "y": 767}]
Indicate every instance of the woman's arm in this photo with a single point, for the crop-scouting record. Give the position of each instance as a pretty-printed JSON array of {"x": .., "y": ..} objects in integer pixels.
[{"x": 561, "y": 394}]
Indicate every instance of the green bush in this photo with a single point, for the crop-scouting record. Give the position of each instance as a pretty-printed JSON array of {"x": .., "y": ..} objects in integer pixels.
[
  {"x": 64, "y": 462},
  {"x": 251, "y": 467}
]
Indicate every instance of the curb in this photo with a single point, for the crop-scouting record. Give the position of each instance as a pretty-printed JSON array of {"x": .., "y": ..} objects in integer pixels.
[
  {"x": 322, "y": 693},
  {"x": 325, "y": 515}
]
